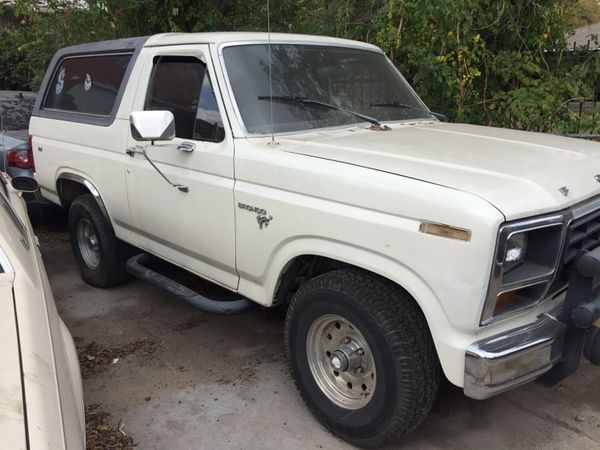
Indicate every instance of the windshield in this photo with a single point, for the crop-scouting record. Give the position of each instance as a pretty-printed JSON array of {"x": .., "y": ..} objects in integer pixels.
[{"x": 353, "y": 80}]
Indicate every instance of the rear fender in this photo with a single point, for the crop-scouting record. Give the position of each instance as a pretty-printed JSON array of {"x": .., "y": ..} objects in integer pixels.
[{"x": 68, "y": 194}]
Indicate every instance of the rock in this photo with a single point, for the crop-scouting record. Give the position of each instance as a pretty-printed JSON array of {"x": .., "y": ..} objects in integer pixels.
[{"x": 580, "y": 419}]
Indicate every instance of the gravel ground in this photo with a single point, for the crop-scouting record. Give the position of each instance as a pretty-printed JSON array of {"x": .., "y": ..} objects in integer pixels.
[{"x": 171, "y": 377}]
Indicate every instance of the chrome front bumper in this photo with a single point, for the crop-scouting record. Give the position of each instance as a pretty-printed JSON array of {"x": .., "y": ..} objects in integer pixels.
[
  {"x": 502, "y": 362},
  {"x": 553, "y": 345}
]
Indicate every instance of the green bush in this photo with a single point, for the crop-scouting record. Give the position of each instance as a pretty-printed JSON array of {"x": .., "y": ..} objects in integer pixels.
[
  {"x": 498, "y": 62},
  {"x": 493, "y": 62}
]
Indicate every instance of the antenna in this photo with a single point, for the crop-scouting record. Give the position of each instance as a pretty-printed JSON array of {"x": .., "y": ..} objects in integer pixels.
[
  {"x": 270, "y": 75},
  {"x": 2, "y": 127}
]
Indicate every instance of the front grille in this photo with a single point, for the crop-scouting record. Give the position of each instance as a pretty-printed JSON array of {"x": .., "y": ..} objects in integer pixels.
[{"x": 583, "y": 234}]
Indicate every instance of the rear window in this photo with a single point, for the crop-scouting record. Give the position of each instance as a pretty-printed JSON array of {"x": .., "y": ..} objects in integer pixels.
[{"x": 87, "y": 84}]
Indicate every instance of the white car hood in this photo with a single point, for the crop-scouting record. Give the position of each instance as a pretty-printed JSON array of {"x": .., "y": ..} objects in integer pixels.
[{"x": 520, "y": 173}]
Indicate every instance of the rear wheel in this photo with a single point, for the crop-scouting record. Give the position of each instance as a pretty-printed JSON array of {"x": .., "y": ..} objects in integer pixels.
[
  {"x": 362, "y": 356},
  {"x": 100, "y": 255}
]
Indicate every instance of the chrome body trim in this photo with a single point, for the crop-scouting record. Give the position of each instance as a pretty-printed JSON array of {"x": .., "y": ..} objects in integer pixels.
[
  {"x": 89, "y": 186},
  {"x": 505, "y": 361},
  {"x": 565, "y": 218},
  {"x": 496, "y": 286}
]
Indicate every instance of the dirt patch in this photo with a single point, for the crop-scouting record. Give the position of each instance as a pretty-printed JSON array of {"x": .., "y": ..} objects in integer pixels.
[
  {"x": 100, "y": 435},
  {"x": 94, "y": 357},
  {"x": 50, "y": 225},
  {"x": 51, "y": 238},
  {"x": 192, "y": 322}
]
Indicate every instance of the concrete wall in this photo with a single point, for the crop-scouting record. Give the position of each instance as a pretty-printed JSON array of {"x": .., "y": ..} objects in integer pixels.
[{"x": 15, "y": 109}]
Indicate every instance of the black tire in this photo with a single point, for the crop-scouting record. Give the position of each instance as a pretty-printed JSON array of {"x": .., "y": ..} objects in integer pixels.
[
  {"x": 113, "y": 253},
  {"x": 408, "y": 371}
]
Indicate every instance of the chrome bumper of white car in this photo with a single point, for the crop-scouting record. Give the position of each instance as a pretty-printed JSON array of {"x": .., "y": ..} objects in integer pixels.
[
  {"x": 553, "y": 345},
  {"x": 502, "y": 362}
]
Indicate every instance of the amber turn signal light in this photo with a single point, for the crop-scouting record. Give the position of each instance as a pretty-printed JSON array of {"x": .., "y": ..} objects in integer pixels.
[
  {"x": 504, "y": 299},
  {"x": 446, "y": 231}
]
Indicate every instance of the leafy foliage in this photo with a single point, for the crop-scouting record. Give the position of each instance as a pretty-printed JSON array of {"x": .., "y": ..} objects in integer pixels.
[
  {"x": 588, "y": 13},
  {"x": 498, "y": 62},
  {"x": 495, "y": 62}
]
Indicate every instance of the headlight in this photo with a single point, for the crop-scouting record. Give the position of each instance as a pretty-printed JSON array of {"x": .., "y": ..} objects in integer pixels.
[
  {"x": 515, "y": 251},
  {"x": 526, "y": 258}
]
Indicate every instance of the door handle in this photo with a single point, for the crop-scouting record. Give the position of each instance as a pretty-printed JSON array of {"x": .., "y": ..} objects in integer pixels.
[
  {"x": 186, "y": 146},
  {"x": 131, "y": 151}
]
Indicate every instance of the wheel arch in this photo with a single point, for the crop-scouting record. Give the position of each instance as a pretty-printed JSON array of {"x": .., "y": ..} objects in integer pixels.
[
  {"x": 295, "y": 260},
  {"x": 71, "y": 185}
]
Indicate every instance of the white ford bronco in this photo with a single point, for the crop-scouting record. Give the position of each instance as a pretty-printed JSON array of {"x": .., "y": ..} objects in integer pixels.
[{"x": 304, "y": 171}]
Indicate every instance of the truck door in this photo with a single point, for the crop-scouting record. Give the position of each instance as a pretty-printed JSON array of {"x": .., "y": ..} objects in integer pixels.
[{"x": 193, "y": 229}]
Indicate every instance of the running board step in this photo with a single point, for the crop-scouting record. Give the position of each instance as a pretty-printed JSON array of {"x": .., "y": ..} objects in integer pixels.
[{"x": 137, "y": 266}]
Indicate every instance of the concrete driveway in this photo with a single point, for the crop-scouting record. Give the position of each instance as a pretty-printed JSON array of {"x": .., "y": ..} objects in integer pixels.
[{"x": 187, "y": 380}]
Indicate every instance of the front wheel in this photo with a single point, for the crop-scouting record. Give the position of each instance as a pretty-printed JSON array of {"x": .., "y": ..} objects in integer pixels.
[
  {"x": 100, "y": 255},
  {"x": 362, "y": 356}
]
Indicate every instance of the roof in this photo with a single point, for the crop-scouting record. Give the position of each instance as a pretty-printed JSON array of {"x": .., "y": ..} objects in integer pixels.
[
  {"x": 585, "y": 36},
  {"x": 222, "y": 37},
  {"x": 229, "y": 36}
]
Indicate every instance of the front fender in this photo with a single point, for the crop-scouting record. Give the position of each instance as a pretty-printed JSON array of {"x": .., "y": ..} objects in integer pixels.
[{"x": 450, "y": 343}]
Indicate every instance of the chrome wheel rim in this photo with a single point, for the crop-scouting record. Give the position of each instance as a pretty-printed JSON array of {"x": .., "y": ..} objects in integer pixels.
[
  {"x": 341, "y": 361},
  {"x": 88, "y": 244}
]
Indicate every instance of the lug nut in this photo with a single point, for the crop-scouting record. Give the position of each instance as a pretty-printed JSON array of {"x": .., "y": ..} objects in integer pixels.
[
  {"x": 347, "y": 340},
  {"x": 360, "y": 370},
  {"x": 360, "y": 351}
]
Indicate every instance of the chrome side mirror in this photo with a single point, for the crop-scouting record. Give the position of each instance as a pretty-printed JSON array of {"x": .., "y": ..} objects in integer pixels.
[
  {"x": 24, "y": 184},
  {"x": 152, "y": 125}
]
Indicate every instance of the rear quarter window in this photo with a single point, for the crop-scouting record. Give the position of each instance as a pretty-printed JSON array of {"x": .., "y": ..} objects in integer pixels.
[{"x": 87, "y": 84}]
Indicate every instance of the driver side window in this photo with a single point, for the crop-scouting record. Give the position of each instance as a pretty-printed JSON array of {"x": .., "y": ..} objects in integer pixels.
[{"x": 181, "y": 84}]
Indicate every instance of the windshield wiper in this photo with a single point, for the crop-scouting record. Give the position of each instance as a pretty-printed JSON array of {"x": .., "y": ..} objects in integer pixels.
[
  {"x": 397, "y": 104},
  {"x": 296, "y": 100}
]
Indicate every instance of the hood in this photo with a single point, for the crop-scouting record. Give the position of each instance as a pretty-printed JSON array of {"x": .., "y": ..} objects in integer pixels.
[{"x": 520, "y": 173}]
